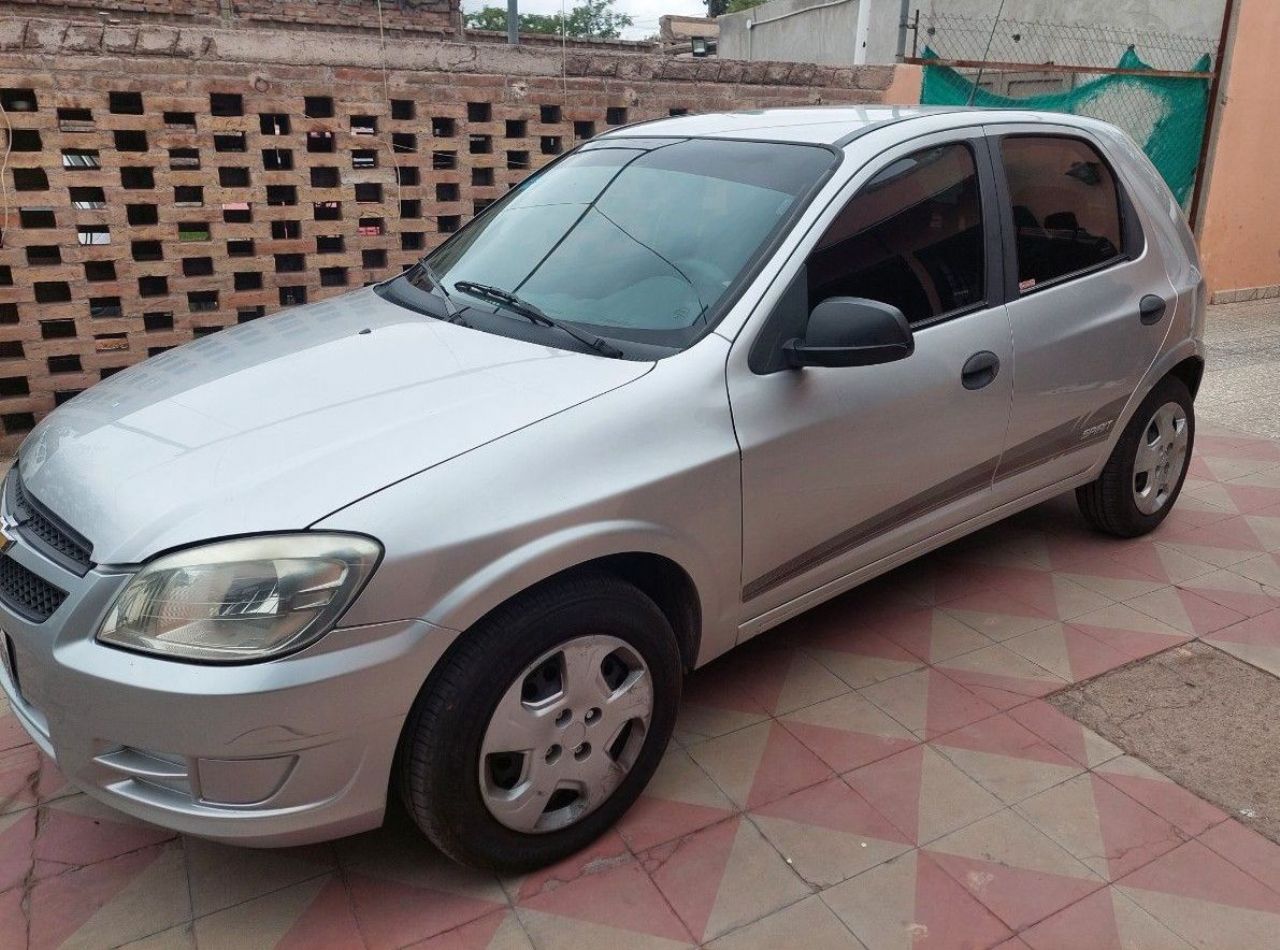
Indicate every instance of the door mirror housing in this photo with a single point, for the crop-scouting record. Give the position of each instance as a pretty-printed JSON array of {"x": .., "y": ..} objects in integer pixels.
[{"x": 851, "y": 331}]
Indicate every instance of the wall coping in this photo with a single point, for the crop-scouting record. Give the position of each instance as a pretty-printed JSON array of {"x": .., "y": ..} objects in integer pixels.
[{"x": 205, "y": 44}]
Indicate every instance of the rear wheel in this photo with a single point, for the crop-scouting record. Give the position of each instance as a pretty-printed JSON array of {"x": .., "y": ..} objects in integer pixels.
[
  {"x": 1144, "y": 475},
  {"x": 543, "y": 725}
]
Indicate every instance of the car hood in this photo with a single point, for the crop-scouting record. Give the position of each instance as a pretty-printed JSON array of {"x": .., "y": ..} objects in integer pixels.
[{"x": 274, "y": 424}]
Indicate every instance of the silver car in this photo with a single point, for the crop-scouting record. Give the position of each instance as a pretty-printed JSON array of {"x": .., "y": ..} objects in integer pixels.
[{"x": 456, "y": 538}]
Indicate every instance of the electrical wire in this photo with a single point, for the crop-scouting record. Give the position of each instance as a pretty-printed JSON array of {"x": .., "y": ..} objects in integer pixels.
[
  {"x": 4, "y": 171},
  {"x": 386, "y": 95},
  {"x": 985, "y": 53}
]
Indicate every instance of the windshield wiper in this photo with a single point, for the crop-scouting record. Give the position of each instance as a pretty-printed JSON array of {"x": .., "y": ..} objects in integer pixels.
[
  {"x": 534, "y": 315},
  {"x": 425, "y": 268}
]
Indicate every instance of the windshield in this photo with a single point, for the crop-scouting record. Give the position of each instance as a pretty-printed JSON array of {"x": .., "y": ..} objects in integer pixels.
[{"x": 638, "y": 239}]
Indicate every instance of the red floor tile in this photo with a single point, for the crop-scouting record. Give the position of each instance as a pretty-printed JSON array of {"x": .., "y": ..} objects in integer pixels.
[
  {"x": 1194, "y": 871},
  {"x": 1257, "y": 856}
]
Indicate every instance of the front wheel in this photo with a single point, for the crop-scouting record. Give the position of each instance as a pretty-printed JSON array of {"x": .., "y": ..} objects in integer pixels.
[
  {"x": 1142, "y": 478},
  {"x": 543, "y": 724}
]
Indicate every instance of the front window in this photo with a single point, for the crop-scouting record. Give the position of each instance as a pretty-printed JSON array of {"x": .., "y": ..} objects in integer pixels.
[
  {"x": 912, "y": 237},
  {"x": 642, "y": 240}
]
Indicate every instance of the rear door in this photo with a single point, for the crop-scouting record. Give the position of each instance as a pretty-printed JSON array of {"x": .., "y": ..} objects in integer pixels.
[{"x": 1089, "y": 302}]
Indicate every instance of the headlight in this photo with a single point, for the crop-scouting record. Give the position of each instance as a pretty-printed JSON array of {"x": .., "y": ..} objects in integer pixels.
[{"x": 247, "y": 599}]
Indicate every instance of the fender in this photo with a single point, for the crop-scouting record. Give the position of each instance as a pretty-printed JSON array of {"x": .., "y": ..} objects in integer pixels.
[
  {"x": 466, "y": 603},
  {"x": 1159, "y": 368},
  {"x": 575, "y": 546}
]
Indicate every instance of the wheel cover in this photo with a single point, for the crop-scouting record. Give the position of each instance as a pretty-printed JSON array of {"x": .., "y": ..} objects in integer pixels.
[
  {"x": 565, "y": 734},
  {"x": 1161, "y": 456}
]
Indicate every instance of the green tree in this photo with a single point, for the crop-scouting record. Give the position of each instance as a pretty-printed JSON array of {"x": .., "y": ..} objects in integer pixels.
[
  {"x": 591, "y": 18},
  {"x": 737, "y": 6},
  {"x": 596, "y": 18},
  {"x": 487, "y": 18},
  {"x": 716, "y": 7}
]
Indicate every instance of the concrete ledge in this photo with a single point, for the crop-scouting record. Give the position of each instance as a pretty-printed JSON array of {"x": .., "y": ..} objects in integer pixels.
[
  {"x": 211, "y": 45},
  {"x": 1245, "y": 293}
]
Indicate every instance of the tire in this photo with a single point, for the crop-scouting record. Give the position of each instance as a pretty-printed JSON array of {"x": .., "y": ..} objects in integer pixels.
[
  {"x": 1113, "y": 503},
  {"x": 451, "y": 789}
]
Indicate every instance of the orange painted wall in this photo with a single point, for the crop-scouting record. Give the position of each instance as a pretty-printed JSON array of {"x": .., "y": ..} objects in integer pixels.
[
  {"x": 904, "y": 90},
  {"x": 1240, "y": 226}
]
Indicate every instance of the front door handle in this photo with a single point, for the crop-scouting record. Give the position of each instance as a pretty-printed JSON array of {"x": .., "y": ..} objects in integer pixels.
[
  {"x": 1150, "y": 309},
  {"x": 980, "y": 370}
]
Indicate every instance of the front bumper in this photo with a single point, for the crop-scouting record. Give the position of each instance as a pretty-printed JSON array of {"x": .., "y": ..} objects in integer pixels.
[{"x": 278, "y": 753}]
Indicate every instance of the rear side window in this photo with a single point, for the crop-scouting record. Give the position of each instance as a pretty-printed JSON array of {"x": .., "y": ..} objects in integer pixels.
[
  {"x": 912, "y": 237},
  {"x": 1066, "y": 207}
]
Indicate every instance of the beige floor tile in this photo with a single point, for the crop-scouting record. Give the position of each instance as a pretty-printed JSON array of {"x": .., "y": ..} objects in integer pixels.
[
  {"x": 723, "y": 878},
  {"x": 1009, "y": 839},
  {"x": 829, "y": 833},
  {"x": 697, "y": 723},
  {"x": 1115, "y": 588},
  {"x": 222, "y": 875},
  {"x": 263, "y": 922},
  {"x": 1263, "y": 569},
  {"x": 807, "y": 682},
  {"x": 859, "y": 669},
  {"x": 910, "y": 903},
  {"x": 555, "y": 932},
  {"x": 808, "y": 923},
  {"x": 923, "y": 793},
  {"x": 759, "y": 764},
  {"x": 998, "y": 660},
  {"x": 998, "y": 626},
  {"x": 1102, "y": 827},
  {"x": 1126, "y": 617},
  {"x": 155, "y": 898},
  {"x": 1009, "y": 778},
  {"x": 1106, "y": 918},
  {"x": 182, "y": 937},
  {"x": 1207, "y": 924},
  {"x": 850, "y": 712}
]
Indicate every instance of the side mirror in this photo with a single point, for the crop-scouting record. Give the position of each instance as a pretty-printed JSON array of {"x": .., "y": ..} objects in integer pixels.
[{"x": 851, "y": 331}]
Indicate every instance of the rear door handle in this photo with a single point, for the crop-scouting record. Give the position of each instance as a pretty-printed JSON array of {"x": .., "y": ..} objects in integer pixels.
[
  {"x": 1150, "y": 309},
  {"x": 980, "y": 370}
]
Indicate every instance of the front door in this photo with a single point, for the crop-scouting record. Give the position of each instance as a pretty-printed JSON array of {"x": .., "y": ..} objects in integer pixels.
[{"x": 843, "y": 466}]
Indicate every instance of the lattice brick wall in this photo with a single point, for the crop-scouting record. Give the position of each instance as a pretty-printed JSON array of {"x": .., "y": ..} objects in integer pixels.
[{"x": 157, "y": 198}]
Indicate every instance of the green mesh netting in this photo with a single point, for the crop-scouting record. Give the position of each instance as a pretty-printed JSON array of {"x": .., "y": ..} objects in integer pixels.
[{"x": 1165, "y": 115}]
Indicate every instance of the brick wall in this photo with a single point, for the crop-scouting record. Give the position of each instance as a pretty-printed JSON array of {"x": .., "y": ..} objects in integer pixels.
[
  {"x": 408, "y": 15},
  {"x": 180, "y": 9},
  {"x": 414, "y": 16},
  {"x": 165, "y": 182}
]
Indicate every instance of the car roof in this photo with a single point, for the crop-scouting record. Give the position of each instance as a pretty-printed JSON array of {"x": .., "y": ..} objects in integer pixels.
[{"x": 824, "y": 125}]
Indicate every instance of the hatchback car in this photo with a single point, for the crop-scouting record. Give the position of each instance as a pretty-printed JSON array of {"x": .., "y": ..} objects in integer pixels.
[{"x": 456, "y": 538}]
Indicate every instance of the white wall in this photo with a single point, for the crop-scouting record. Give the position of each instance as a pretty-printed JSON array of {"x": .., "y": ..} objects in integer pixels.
[
  {"x": 777, "y": 31},
  {"x": 829, "y": 35},
  {"x": 1168, "y": 34},
  {"x": 1191, "y": 17}
]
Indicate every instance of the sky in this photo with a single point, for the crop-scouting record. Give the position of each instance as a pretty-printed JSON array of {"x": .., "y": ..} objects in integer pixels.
[{"x": 644, "y": 12}]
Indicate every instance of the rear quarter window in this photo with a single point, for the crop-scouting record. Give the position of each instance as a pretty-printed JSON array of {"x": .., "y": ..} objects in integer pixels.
[{"x": 1066, "y": 207}]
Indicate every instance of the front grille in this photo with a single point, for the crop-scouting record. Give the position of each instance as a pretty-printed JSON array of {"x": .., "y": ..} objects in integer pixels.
[
  {"x": 28, "y": 594},
  {"x": 44, "y": 530}
]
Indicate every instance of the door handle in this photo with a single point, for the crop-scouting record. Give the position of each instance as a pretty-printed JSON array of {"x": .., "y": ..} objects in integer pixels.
[
  {"x": 1150, "y": 309},
  {"x": 980, "y": 369}
]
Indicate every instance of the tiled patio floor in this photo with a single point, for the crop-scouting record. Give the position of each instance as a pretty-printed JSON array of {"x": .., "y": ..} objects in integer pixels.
[{"x": 882, "y": 771}]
